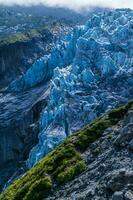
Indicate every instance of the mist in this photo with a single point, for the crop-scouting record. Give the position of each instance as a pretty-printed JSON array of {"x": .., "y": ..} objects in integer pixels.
[{"x": 75, "y": 5}]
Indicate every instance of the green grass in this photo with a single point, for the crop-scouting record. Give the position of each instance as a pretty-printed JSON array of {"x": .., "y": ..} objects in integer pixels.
[{"x": 64, "y": 163}]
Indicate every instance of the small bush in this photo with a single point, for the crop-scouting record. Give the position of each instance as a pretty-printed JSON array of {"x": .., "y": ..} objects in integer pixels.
[
  {"x": 40, "y": 189},
  {"x": 71, "y": 172},
  {"x": 21, "y": 192},
  {"x": 64, "y": 163},
  {"x": 118, "y": 113},
  {"x": 90, "y": 135}
]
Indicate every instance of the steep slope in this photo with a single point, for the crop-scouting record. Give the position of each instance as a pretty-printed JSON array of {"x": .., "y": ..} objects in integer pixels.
[
  {"x": 25, "y": 37},
  {"x": 84, "y": 152},
  {"x": 88, "y": 72},
  {"x": 19, "y": 115},
  {"x": 20, "y": 45},
  {"x": 19, "y": 50},
  {"x": 109, "y": 171},
  {"x": 91, "y": 73}
]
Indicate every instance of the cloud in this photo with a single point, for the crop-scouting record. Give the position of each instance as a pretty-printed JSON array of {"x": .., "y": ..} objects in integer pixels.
[{"x": 74, "y": 4}]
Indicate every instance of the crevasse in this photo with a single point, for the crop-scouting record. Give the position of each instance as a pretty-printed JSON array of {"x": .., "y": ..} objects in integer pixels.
[
  {"x": 91, "y": 72},
  {"x": 42, "y": 70}
]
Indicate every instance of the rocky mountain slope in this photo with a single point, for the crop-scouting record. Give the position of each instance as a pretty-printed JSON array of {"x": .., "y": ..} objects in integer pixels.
[
  {"x": 109, "y": 171},
  {"x": 102, "y": 152},
  {"x": 87, "y": 73}
]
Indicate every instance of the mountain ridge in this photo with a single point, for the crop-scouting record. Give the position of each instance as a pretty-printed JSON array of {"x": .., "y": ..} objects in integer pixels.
[{"x": 65, "y": 162}]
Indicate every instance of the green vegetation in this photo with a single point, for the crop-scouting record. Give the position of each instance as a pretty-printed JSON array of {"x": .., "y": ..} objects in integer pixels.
[
  {"x": 21, "y": 36},
  {"x": 109, "y": 137},
  {"x": 64, "y": 163},
  {"x": 71, "y": 172},
  {"x": 39, "y": 189},
  {"x": 96, "y": 151}
]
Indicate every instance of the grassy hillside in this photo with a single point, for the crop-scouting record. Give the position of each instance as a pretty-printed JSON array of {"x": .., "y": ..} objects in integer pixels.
[{"x": 64, "y": 163}]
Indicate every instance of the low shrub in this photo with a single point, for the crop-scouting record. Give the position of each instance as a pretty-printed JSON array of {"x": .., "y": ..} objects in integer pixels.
[
  {"x": 63, "y": 163},
  {"x": 40, "y": 189},
  {"x": 70, "y": 172}
]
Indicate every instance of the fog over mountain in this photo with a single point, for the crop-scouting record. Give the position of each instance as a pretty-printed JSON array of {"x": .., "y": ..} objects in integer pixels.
[{"x": 76, "y": 5}]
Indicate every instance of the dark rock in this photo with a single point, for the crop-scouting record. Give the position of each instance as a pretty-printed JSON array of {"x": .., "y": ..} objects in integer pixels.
[
  {"x": 16, "y": 58},
  {"x": 19, "y": 129},
  {"x": 120, "y": 180},
  {"x": 125, "y": 136},
  {"x": 131, "y": 145},
  {"x": 117, "y": 196},
  {"x": 122, "y": 172},
  {"x": 128, "y": 195}
]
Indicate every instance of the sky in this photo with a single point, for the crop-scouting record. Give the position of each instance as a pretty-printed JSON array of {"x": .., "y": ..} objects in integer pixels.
[{"x": 74, "y": 4}]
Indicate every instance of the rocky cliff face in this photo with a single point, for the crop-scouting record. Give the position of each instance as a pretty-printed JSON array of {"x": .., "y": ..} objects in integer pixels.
[
  {"x": 19, "y": 115},
  {"x": 16, "y": 57}
]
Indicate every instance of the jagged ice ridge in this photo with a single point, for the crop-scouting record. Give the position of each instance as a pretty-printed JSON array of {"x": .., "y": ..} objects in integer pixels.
[{"x": 91, "y": 72}]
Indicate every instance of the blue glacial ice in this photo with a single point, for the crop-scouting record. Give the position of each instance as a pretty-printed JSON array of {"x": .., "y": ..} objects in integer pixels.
[
  {"x": 42, "y": 70},
  {"x": 90, "y": 72}
]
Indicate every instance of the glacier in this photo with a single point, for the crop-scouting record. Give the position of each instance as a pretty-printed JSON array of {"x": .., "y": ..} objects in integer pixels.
[
  {"x": 90, "y": 72},
  {"x": 42, "y": 70}
]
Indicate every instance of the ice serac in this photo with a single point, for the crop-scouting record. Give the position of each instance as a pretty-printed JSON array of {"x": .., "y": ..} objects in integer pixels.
[
  {"x": 91, "y": 72},
  {"x": 62, "y": 55}
]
